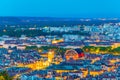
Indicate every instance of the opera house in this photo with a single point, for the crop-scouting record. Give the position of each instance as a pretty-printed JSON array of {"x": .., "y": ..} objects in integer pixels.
[{"x": 74, "y": 54}]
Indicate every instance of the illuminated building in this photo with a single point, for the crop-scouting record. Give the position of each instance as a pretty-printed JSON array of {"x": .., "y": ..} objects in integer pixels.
[
  {"x": 1, "y": 46},
  {"x": 21, "y": 47},
  {"x": 115, "y": 45},
  {"x": 55, "y": 41},
  {"x": 50, "y": 55},
  {"x": 74, "y": 54},
  {"x": 57, "y": 59}
]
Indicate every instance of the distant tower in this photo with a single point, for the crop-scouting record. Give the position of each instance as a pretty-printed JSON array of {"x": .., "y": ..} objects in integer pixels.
[{"x": 51, "y": 54}]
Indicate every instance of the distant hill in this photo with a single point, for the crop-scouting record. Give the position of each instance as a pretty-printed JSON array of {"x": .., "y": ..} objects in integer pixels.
[{"x": 51, "y": 21}]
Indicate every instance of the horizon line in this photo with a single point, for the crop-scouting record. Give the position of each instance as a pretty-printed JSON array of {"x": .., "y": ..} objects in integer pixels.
[{"x": 63, "y": 17}]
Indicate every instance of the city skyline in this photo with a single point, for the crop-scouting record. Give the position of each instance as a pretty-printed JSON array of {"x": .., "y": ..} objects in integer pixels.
[{"x": 59, "y": 40}]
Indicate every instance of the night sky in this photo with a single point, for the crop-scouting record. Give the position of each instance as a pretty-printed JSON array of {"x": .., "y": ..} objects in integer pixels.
[{"x": 60, "y": 8}]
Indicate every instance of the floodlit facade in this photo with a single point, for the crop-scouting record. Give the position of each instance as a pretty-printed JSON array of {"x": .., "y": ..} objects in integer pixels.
[{"x": 74, "y": 54}]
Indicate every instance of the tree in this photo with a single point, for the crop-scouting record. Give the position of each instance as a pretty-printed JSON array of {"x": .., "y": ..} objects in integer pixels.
[
  {"x": 116, "y": 51},
  {"x": 31, "y": 48},
  {"x": 2, "y": 78},
  {"x": 5, "y": 75}
]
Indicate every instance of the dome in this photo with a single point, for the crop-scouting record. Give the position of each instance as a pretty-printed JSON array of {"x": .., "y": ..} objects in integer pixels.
[
  {"x": 74, "y": 54},
  {"x": 80, "y": 52}
]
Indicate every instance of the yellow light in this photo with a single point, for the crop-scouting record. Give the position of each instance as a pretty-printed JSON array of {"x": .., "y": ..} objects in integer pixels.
[
  {"x": 4, "y": 30},
  {"x": 49, "y": 60},
  {"x": 54, "y": 42},
  {"x": 57, "y": 41},
  {"x": 50, "y": 52},
  {"x": 39, "y": 50}
]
